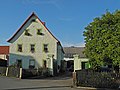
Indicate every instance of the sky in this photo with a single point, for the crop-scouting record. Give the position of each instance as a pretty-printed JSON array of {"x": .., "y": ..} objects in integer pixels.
[{"x": 66, "y": 19}]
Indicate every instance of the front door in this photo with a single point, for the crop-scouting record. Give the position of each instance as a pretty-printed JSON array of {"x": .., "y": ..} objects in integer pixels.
[{"x": 19, "y": 63}]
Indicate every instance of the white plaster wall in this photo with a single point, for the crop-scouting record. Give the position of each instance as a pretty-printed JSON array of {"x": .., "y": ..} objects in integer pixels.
[
  {"x": 3, "y": 57},
  {"x": 84, "y": 59},
  {"x": 67, "y": 59},
  {"x": 78, "y": 61},
  {"x": 38, "y": 40}
]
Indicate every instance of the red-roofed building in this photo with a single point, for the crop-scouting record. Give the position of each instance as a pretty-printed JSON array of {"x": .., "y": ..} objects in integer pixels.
[
  {"x": 4, "y": 50},
  {"x": 4, "y": 55}
]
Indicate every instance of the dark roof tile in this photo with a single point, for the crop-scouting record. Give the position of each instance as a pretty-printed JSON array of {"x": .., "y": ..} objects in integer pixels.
[{"x": 70, "y": 51}]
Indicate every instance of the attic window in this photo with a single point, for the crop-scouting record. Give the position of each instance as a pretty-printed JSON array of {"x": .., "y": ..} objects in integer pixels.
[
  {"x": 33, "y": 20},
  {"x": 27, "y": 32},
  {"x": 39, "y": 32}
]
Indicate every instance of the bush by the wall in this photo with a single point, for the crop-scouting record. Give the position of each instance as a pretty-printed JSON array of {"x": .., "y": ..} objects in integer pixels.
[
  {"x": 26, "y": 73},
  {"x": 13, "y": 71},
  {"x": 40, "y": 72}
]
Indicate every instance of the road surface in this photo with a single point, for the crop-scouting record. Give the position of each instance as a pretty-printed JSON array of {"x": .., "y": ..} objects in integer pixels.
[{"x": 53, "y": 83}]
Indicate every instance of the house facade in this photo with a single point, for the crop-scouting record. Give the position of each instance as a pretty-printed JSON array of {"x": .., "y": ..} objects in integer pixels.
[
  {"x": 75, "y": 58},
  {"x": 34, "y": 46},
  {"x": 4, "y": 55}
]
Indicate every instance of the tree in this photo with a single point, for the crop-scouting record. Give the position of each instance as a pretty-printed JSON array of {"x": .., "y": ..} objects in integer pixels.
[{"x": 102, "y": 38}]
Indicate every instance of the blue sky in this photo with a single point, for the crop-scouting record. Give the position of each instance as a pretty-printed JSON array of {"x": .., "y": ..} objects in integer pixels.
[{"x": 66, "y": 19}]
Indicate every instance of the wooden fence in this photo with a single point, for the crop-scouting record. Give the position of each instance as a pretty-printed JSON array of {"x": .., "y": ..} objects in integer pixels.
[{"x": 24, "y": 73}]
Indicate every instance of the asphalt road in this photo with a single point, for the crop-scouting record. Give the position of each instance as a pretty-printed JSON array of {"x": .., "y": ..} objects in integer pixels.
[{"x": 54, "y": 83}]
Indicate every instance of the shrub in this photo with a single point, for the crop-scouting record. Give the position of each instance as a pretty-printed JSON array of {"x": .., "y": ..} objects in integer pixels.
[
  {"x": 41, "y": 72},
  {"x": 45, "y": 72},
  {"x": 26, "y": 73},
  {"x": 3, "y": 71}
]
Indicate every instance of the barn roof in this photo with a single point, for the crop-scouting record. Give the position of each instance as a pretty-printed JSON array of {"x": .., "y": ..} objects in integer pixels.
[{"x": 70, "y": 51}]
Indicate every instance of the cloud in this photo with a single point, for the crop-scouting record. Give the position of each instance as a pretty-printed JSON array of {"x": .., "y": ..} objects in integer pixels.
[{"x": 73, "y": 44}]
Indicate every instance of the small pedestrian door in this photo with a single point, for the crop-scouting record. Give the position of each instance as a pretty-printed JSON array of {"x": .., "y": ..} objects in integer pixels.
[{"x": 19, "y": 63}]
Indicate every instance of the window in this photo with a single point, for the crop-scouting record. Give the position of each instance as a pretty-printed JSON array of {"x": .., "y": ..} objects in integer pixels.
[
  {"x": 45, "y": 47},
  {"x": 32, "y": 63},
  {"x": 44, "y": 64},
  {"x": 33, "y": 20},
  {"x": 32, "y": 48},
  {"x": 27, "y": 32},
  {"x": 19, "y": 47},
  {"x": 39, "y": 32}
]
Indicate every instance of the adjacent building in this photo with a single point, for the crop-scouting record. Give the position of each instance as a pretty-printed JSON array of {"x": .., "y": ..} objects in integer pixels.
[
  {"x": 75, "y": 58},
  {"x": 34, "y": 46},
  {"x": 4, "y": 55}
]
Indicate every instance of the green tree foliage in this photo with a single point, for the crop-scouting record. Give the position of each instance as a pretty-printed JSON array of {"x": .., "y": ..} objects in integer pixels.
[{"x": 102, "y": 38}]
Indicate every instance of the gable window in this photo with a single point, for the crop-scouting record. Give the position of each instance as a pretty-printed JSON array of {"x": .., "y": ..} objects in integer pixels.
[
  {"x": 32, "y": 48},
  {"x": 27, "y": 32},
  {"x": 45, "y": 47},
  {"x": 39, "y": 32},
  {"x": 33, "y": 20},
  {"x": 31, "y": 63},
  {"x": 19, "y": 47}
]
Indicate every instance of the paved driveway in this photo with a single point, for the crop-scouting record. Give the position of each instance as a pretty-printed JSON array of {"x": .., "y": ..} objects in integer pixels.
[{"x": 54, "y": 83}]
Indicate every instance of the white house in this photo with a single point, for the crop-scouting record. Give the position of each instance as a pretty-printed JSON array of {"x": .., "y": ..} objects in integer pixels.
[{"x": 34, "y": 46}]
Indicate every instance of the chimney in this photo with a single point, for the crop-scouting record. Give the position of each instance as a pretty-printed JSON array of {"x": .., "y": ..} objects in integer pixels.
[{"x": 43, "y": 23}]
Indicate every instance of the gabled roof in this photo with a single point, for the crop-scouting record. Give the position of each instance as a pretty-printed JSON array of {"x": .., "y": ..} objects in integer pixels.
[
  {"x": 4, "y": 50},
  {"x": 43, "y": 23},
  {"x": 33, "y": 14},
  {"x": 70, "y": 51}
]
